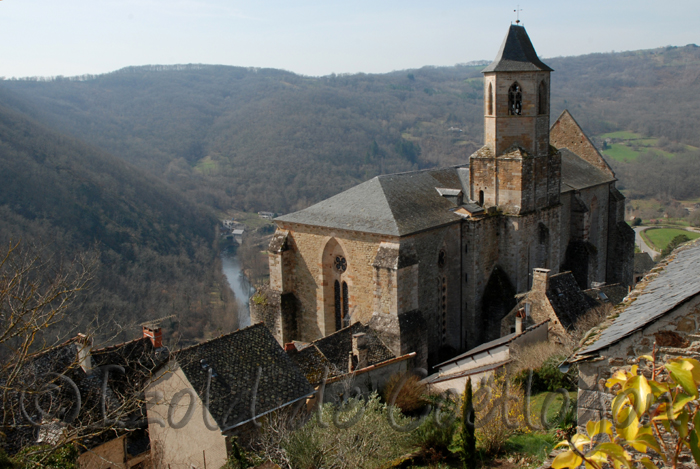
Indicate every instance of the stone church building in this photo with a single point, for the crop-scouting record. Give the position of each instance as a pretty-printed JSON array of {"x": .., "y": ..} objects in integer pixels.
[{"x": 433, "y": 259}]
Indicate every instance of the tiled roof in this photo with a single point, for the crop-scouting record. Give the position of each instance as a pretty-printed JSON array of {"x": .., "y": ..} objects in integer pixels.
[
  {"x": 577, "y": 173},
  {"x": 235, "y": 360},
  {"x": 667, "y": 286},
  {"x": 506, "y": 339},
  {"x": 392, "y": 204},
  {"x": 642, "y": 263},
  {"x": 567, "y": 299},
  {"x": 334, "y": 349},
  {"x": 516, "y": 54},
  {"x": 615, "y": 293}
]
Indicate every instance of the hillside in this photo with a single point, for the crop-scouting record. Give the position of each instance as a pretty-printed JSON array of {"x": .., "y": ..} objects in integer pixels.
[
  {"x": 263, "y": 139},
  {"x": 155, "y": 251}
]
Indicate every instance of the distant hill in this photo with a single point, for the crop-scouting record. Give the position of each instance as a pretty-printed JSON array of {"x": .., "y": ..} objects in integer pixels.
[
  {"x": 264, "y": 139},
  {"x": 155, "y": 249}
]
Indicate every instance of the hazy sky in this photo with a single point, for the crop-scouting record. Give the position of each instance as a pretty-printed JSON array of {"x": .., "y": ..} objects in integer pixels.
[{"x": 73, "y": 37}]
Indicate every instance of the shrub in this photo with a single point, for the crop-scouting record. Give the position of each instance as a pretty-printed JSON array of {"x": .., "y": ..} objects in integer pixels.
[
  {"x": 637, "y": 221},
  {"x": 412, "y": 396},
  {"x": 499, "y": 413},
  {"x": 547, "y": 378},
  {"x": 436, "y": 434},
  {"x": 364, "y": 444},
  {"x": 668, "y": 404}
]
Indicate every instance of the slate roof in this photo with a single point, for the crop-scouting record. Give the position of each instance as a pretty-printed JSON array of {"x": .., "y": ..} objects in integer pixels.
[
  {"x": 392, "y": 204},
  {"x": 615, "y": 293},
  {"x": 234, "y": 360},
  {"x": 577, "y": 173},
  {"x": 516, "y": 54},
  {"x": 506, "y": 339},
  {"x": 567, "y": 299},
  {"x": 334, "y": 349},
  {"x": 642, "y": 263},
  {"x": 668, "y": 285}
]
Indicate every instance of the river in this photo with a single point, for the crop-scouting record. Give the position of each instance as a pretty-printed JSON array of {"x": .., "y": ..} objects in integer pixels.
[{"x": 240, "y": 286}]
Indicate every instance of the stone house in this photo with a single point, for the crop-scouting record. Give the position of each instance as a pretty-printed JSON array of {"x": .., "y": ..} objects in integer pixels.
[
  {"x": 663, "y": 311},
  {"x": 433, "y": 259},
  {"x": 483, "y": 361},
  {"x": 354, "y": 355},
  {"x": 208, "y": 392},
  {"x": 559, "y": 299}
]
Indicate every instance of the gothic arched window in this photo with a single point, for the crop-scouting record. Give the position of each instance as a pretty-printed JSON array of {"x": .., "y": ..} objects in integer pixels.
[
  {"x": 338, "y": 311},
  {"x": 515, "y": 100},
  {"x": 346, "y": 304},
  {"x": 489, "y": 101},
  {"x": 542, "y": 98}
]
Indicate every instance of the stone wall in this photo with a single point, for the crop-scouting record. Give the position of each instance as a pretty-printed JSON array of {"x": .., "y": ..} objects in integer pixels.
[{"x": 566, "y": 133}]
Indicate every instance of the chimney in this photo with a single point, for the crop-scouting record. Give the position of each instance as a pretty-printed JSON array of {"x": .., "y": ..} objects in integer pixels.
[
  {"x": 290, "y": 347},
  {"x": 359, "y": 349},
  {"x": 155, "y": 334},
  {"x": 84, "y": 357},
  {"x": 540, "y": 280},
  {"x": 519, "y": 318}
]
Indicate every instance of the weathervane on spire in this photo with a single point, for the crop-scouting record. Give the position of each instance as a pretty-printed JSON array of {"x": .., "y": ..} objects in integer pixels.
[{"x": 517, "y": 15}]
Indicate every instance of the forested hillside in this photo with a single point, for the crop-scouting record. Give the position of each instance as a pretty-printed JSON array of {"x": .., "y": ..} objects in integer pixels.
[
  {"x": 262, "y": 139},
  {"x": 155, "y": 252}
]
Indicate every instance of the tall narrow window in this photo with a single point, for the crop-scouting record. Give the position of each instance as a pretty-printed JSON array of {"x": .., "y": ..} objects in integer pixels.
[
  {"x": 346, "y": 316},
  {"x": 338, "y": 312},
  {"x": 443, "y": 311},
  {"x": 515, "y": 100},
  {"x": 489, "y": 101},
  {"x": 481, "y": 198},
  {"x": 542, "y": 99}
]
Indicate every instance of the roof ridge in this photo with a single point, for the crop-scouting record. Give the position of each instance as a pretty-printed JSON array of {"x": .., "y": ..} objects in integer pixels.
[{"x": 188, "y": 348}]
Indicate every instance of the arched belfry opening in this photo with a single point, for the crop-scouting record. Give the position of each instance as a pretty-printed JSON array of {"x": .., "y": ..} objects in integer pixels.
[
  {"x": 515, "y": 100},
  {"x": 542, "y": 98},
  {"x": 336, "y": 288},
  {"x": 489, "y": 101}
]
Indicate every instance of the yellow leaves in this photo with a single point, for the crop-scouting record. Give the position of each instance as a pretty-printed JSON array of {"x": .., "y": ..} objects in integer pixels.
[
  {"x": 640, "y": 393},
  {"x": 683, "y": 371},
  {"x": 669, "y": 403},
  {"x": 596, "y": 428},
  {"x": 567, "y": 459}
]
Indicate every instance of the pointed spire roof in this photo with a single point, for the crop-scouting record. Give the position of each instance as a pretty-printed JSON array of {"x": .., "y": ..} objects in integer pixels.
[{"x": 517, "y": 54}]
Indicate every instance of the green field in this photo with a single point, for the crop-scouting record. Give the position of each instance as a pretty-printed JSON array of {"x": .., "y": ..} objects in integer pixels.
[
  {"x": 623, "y": 134},
  {"x": 621, "y": 152},
  {"x": 660, "y": 237}
]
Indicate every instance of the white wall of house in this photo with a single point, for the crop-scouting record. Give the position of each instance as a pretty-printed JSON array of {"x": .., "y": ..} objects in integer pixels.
[{"x": 188, "y": 446}]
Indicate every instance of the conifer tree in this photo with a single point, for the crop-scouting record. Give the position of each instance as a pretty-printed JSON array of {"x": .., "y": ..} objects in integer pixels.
[{"x": 468, "y": 437}]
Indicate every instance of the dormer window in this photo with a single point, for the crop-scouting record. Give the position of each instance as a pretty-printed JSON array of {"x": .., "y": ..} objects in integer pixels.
[{"x": 515, "y": 100}]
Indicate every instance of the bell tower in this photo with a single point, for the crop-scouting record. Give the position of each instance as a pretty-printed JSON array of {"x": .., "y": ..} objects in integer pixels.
[{"x": 513, "y": 169}]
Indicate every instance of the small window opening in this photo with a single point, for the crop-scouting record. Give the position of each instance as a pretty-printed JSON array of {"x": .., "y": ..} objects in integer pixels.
[
  {"x": 542, "y": 99},
  {"x": 489, "y": 101},
  {"x": 515, "y": 100},
  {"x": 481, "y": 198},
  {"x": 338, "y": 311},
  {"x": 441, "y": 258}
]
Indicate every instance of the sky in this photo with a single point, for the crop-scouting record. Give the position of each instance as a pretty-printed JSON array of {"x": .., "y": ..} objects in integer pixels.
[{"x": 313, "y": 37}]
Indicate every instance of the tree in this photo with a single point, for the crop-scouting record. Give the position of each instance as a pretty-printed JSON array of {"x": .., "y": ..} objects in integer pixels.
[
  {"x": 35, "y": 295},
  {"x": 468, "y": 438},
  {"x": 641, "y": 409}
]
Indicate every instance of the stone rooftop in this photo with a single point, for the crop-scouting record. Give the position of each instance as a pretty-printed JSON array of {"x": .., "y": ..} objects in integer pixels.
[
  {"x": 333, "y": 351},
  {"x": 669, "y": 284},
  {"x": 405, "y": 203},
  {"x": 234, "y": 360},
  {"x": 517, "y": 54}
]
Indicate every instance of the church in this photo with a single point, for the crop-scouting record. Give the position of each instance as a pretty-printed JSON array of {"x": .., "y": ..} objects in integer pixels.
[{"x": 433, "y": 259}]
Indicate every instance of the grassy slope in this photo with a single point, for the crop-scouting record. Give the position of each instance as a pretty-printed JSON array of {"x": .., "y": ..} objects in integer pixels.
[{"x": 660, "y": 237}]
